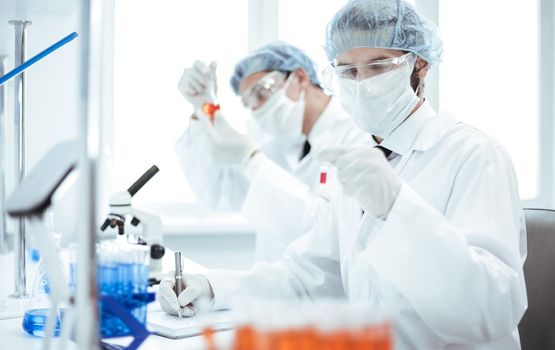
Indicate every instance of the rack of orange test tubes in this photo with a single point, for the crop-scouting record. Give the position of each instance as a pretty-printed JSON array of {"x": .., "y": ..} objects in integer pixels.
[
  {"x": 369, "y": 338},
  {"x": 325, "y": 325}
]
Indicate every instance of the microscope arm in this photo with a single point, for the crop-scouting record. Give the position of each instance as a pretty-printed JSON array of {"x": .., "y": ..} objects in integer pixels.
[
  {"x": 153, "y": 235},
  {"x": 152, "y": 226}
]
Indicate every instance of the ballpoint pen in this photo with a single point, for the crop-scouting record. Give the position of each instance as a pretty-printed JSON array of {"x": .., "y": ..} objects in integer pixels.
[{"x": 179, "y": 283}]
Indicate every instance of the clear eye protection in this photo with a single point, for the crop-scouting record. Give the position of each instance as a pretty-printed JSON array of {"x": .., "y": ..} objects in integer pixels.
[
  {"x": 256, "y": 95},
  {"x": 362, "y": 71}
]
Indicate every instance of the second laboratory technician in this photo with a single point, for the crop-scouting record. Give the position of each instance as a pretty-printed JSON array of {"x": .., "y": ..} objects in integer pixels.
[{"x": 276, "y": 187}]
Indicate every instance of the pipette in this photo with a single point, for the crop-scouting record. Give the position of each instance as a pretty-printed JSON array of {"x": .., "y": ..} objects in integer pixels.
[{"x": 211, "y": 106}]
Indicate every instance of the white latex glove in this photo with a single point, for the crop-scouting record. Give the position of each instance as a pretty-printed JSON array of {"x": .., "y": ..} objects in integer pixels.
[
  {"x": 365, "y": 174},
  {"x": 225, "y": 144},
  {"x": 198, "y": 84},
  {"x": 197, "y": 292}
]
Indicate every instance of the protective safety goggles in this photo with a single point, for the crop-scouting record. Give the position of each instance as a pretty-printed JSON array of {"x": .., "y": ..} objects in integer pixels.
[
  {"x": 256, "y": 95},
  {"x": 363, "y": 71}
]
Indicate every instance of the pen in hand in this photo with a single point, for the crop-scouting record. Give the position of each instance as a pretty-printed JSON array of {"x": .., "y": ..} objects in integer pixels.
[{"x": 179, "y": 283}]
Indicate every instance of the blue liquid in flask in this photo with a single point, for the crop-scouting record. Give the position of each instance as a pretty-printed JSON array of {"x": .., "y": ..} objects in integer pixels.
[{"x": 34, "y": 322}]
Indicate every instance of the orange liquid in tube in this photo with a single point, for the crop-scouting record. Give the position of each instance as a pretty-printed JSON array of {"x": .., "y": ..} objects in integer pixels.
[
  {"x": 208, "y": 334},
  {"x": 308, "y": 339},
  {"x": 210, "y": 109},
  {"x": 245, "y": 338}
]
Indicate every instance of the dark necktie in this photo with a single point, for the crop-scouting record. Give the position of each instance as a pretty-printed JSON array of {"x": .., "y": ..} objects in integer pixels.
[
  {"x": 386, "y": 152},
  {"x": 306, "y": 149}
]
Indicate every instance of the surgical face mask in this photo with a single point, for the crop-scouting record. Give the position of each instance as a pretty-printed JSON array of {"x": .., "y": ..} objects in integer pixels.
[
  {"x": 381, "y": 103},
  {"x": 281, "y": 116}
]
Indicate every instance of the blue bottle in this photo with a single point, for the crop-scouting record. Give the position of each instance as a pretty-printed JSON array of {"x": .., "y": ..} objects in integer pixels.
[{"x": 35, "y": 319}]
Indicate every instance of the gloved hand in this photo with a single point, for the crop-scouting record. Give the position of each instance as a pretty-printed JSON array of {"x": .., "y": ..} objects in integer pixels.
[
  {"x": 197, "y": 292},
  {"x": 225, "y": 144},
  {"x": 365, "y": 174},
  {"x": 198, "y": 84}
]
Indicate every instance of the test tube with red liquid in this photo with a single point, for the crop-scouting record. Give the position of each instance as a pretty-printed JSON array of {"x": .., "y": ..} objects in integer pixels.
[
  {"x": 324, "y": 167},
  {"x": 210, "y": 109}
]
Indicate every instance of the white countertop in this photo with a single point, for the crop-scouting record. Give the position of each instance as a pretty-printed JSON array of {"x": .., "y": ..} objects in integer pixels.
[{"x": 13, "y": 337}]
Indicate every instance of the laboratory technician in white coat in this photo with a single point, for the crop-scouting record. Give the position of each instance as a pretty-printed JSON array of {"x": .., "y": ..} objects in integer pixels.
[
  {"x": 273, "y": 182},
  {"x": 442, "y": 240}
]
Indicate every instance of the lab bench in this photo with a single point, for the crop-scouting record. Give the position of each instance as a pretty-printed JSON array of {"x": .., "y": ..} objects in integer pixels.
[{"x": 13, "y": 336}]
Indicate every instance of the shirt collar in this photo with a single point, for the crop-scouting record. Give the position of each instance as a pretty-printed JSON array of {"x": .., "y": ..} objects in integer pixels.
[
  {"x": 402, "y": 140},
  {"x": 321, "y": 130}
]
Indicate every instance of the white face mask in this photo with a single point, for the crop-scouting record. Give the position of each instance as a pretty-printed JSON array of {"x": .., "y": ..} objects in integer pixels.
[
  {"x": 381, "y": 103},
  {"x": 281, "y": 116}
]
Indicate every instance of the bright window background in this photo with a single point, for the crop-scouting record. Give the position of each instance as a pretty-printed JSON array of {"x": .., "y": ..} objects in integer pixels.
[
  {"x": 489, "y": 76},
  {"x": 154, "y": 41},
  {"x": 308, "y": 32}
]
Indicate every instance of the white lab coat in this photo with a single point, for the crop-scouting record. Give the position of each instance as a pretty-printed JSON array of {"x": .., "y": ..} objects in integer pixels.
[
  {"x": 275, "y": 191},
  {"x": 446, "y": 264}
]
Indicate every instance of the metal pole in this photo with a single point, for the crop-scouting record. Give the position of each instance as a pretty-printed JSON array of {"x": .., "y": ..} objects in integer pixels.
[
  {"x": 19, "y": 126},
  {"x": 4, "y": 241},
  {"x": 87, "y": 333}
]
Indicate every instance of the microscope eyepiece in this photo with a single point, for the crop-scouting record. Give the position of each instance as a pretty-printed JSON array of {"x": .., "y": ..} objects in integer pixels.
[{"x": 143, "y": 180}]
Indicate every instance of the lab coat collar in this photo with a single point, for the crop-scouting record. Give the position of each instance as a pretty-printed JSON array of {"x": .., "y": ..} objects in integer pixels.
[
  {"x": 434, "y": 130},
  {"x": 319, "y": 134},
  {"x": 404, "y": 138}
]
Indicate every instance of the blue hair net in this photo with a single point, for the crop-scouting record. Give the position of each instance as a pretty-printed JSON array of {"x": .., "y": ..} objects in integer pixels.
[
  {"x": 389, "y": 24},
  {"x": 277, "y": 55}
]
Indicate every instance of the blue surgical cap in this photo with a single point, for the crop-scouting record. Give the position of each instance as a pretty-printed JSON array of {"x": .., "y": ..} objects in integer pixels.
[
  {"x": 389, "y": 24},
  {"x": 277, "y": 55}
]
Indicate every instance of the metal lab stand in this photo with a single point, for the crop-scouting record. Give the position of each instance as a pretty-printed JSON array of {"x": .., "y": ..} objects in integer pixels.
[
  {"x": 4, "y": 238},
  {"x": 18, "y": 74},
  {"x": 20, "y": 290}
]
